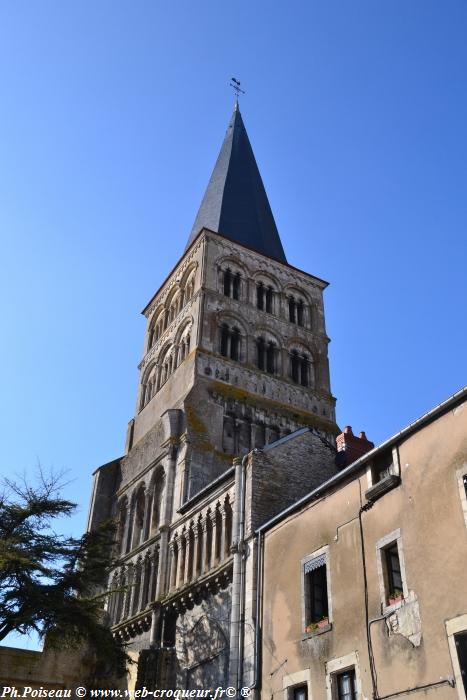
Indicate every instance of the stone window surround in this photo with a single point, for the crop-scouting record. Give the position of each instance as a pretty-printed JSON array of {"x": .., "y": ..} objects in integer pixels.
[
  {"x": 290, "y": 681},
  {"x": 336, "y": 666},
  {"x": 453, "y": 627},
  {"x": 392, "y": 538},
  {"x": 460, "y": 474},
  {"x": 305, "y": 560},
  {"x": 395, "y": 463}
]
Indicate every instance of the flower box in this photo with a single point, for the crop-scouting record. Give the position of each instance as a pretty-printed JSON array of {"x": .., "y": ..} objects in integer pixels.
[
  {"x": 317, "y": 625},
  {"x": 394, "y": 599}
]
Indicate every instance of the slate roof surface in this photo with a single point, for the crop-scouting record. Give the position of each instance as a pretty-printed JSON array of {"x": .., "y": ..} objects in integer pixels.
[{"x": 235, "y": 203}]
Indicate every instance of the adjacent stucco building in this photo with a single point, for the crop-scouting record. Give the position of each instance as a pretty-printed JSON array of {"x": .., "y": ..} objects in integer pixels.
[{"x": 364, "y": 580}]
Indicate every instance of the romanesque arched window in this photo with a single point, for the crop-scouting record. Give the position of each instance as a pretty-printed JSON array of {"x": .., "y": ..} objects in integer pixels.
[
  {"x": 149, "y": 387},
  {"x": 231, "y": 284},
  {"x": 156, "y": 328},
  {"x": 189, "y": 287},
  {"x": 166, "y": 366},
  {"x": 264, "y": 297},
  {"x": 183, "y": 344},
  {"x": 296, "y": 311},
  {"x": 230, "y": 341},
  {"x": 266, "y": 355},
  {"x": 300, "y": 368}
]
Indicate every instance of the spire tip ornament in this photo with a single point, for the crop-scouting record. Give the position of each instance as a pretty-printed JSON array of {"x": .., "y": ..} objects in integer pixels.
[{"x": 235, "y": 84}]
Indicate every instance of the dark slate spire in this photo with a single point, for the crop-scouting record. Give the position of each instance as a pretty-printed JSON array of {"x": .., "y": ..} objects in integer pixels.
[{"x": 235, "y": 203}]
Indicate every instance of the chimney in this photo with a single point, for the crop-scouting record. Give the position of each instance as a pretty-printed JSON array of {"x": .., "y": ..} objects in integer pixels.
[{"x": 350, "y": 447}]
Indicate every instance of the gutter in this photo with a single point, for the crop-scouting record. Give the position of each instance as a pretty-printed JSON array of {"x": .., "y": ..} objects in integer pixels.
[{"x": 358, "y": 464}]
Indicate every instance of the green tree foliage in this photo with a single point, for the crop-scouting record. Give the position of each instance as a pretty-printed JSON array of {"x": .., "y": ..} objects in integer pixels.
[{"x": 51, "y": 583}]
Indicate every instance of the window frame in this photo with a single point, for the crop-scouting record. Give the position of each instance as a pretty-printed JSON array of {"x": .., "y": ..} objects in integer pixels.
[
  {"x": 393, "y": 538},
  {"x": 461, "y": 474},
  {"x": 292, "y": 681},
  {"x": 395, "y": 468},
  {"x": 323, "y": 551},
  {"x": 337, "y": 667},
  {"x": 454, "y": 627}
]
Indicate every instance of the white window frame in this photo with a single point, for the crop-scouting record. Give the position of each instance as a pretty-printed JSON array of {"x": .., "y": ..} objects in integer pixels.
[
  {"x": 323, "y": 550},
  {"x": 293, "y": 680},
  {"x": 460, "y": 481},
  {"x": 393, "y": 537},
  {"x": 455, "y": 626},
  {"x": 337, "y": 666}
]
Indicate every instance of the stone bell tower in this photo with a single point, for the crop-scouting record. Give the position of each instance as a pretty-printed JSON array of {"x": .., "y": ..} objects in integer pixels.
[
  {"x": 235, "y": 358},
  {"x": 235, "y": 336}
]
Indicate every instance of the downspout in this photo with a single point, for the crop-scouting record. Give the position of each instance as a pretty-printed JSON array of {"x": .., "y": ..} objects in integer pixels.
[
  {"x": 259, "y": 604},
  {"x": 238, "y": 578}
]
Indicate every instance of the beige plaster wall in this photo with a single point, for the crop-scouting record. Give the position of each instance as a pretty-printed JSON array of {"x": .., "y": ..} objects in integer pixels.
[{"x": 411, "y": 647}]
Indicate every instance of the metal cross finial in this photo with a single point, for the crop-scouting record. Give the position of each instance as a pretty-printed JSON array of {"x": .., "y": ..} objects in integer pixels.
[{"x": 235, "y": 84}]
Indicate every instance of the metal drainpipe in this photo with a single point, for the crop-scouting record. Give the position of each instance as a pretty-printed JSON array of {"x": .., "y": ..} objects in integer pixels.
[
  {"x": 241, "y": 636},
  {"x": 259, "y": 603},
  {"x": 238, "y": 592}
]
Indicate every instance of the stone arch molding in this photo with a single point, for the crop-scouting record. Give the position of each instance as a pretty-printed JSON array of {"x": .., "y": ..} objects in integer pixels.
[
  {"x": 267, "y": 278},
  {"x": 229, "y": 261}
]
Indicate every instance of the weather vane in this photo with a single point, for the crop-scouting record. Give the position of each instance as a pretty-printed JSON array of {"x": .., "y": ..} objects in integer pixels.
[{"x": 235, "y": 84}]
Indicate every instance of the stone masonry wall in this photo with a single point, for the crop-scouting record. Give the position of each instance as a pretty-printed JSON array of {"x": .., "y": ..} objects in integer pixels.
[{"x": 280, "y": 474}]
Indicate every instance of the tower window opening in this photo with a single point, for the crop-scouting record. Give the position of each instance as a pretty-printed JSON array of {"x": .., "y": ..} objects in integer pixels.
[
  {"x": 260, "y": 348},
  {"x": 236, "y": 286},
  {"x": 304, "y": 373},
  {"x": 270, "y": 356},
  {"x": 227, "y": 282},
  {"x": 292, "y": 309},
  {"x": 230, "y": 342},
  {"x": 295, "y": 366},
  {"x": 225, "y": 340},
  {"x": 235, "y": 344},
  {"x": 231, "y": 284},
  {"x": 299, "y": 310},
  {"x": 265, "y": 356},
  {"x": 296, "y": 311},
  {"x": 299, "y": 368},
  {"x": 269, "y": 298},
  {"x": 260, "y": 296}
]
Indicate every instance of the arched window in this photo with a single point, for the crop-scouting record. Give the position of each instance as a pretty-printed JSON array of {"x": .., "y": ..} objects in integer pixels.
[
  {"x": 149, "y": 387},
  {"x": 190, "y": 289},
  {"x": 183, "y": 345},
  {"x": 300, "y": 368},
  {"x": 269, "y": 299},
  {"x": 231, "y": 284},
  {"x": 266, "y": 355},
  {"x": 235, "y": 344},
  {"x": 296, "y": 311},
  {"x": 230, "y": 342},
  {"x": 264, "y": 297},
  {"x": 156, "y": 329}
]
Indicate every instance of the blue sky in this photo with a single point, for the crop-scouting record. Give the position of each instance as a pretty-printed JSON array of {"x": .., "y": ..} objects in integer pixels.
[{"x": 112, "y": 115}]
